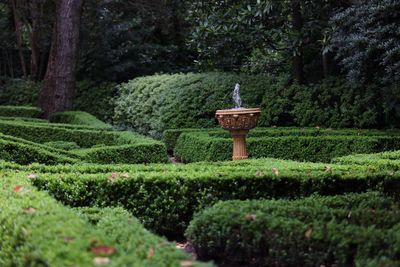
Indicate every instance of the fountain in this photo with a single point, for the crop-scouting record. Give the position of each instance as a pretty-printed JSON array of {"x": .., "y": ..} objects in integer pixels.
[{"x": 239, "y": 121}]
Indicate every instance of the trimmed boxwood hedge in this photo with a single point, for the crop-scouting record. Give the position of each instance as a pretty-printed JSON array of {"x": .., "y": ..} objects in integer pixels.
[
  {"x": 25, "y": 152},
  {"x": 20, "y": 111},
  {"x": 171, "y": 136},
  {"x": 79, "y": 118},
  {"x": 164, "y": 197},
  {"x": 385, "y": 160},
  {"x": 294, "y": 145},
  {"x": 349, "y": 230},
  {"x": 36, "y": 230},
  {"x": 111, "y": 146}
]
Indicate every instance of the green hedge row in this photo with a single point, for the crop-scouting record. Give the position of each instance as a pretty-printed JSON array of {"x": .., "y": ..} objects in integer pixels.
[
  {"x": 79, "y": 118},
  {"x": 164, "y": 197},
  {"x": 171, "y": 136},
  {"x": 98, "y": 146},
  {"x": 385, "y": 160},
  {"x": 20, "y": 111},
  {"x": 26, "y": 152},
  {"x": 349, "y": 230},
  {"x": 203, "y": 146},
  {"x": 36, "y": 230}
]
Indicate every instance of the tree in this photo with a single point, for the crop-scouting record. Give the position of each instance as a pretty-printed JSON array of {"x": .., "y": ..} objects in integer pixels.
[
  {"x": 58, "y": 87},
  {"x": 366, "y": 40}
]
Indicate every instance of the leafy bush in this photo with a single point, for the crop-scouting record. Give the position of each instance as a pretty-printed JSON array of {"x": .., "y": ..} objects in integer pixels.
[
  {"x": 330, "y": 103},
  {"x": 171, "y": 136},
  {"x": 36, "y": 230},
  {"x": 62, "y": 145},
  {"x": 302, "y": 146},
  {"x": 122, "y": 147},
  {"x": 79, "y": 118},
  {"x": 164, "y": 197},
  {"x": 26, "y": 153},
  {"x": 95, "y": 98},
  {"x": 20, "y": 111},
  {"x": 384, "y": 161},
  {"x": 90, "y": 96},
  {"x": 155, "y": 103},
  {"x": 20, "y": 92},
  {"x": 350, "y": 230}
]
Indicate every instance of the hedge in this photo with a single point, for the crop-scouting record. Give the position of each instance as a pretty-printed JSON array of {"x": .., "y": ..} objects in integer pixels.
[
  {"x": 155, "y": 103},
  {"x": 79, "y": 118},
  {"x": 20, "y": 111},
  {"x": 25, "y": 152},
  {"x": 350, "y": 230},
  {"x": 164, "y": 197},
  {"x": 203, "y": 146},
  {"x": 98, "y": 146},
  {"x": 37, "y": 230},
  {"x": 171, "y": 136},
  {"x": 389, "y": 161}
]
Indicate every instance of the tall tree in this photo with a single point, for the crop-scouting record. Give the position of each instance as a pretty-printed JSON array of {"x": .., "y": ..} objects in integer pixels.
[
  {"x": 297, "y": 60},
  {"x": 58, "y": 87},
  {"x": 18, "y": 34}
]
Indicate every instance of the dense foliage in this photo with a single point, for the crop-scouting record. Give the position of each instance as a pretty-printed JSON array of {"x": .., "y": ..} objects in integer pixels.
[
  {"x": 349, "y": 230},
  {"x": 366, "y": 39}
]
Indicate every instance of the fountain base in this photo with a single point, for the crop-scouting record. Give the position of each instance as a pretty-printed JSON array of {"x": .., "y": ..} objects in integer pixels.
[
  {"x": 239, "y": 144},
  {"x": 238, "y": 122}
]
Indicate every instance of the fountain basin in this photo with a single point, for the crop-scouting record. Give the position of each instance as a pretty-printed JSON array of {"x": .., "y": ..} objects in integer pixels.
[{"x": 239, "y": 122}]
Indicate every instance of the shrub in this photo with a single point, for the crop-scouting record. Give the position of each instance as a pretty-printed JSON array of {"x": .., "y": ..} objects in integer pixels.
[
  {"x": 20, "y": 92},
  {"x": 203, "y": 146},
  {"x": 330, "y": 103},
  {"x": 20, "y": 111},
  {"x": 155, "y": 103},
  {"x": 383, "y": 161},
  {"x": 79, "y": 118},
  {"x": 350, "y": 230},
  {"x": 171, "y": 136},
  {"x": 90, "y": 96},
  {"x": 124, "y": 146},
  {"x": 62, "y": 145},
  {"x": 25, "y": 154},
  {"x": 95, "y": 98},
  {"x": 36, "y": 230},
  {"x": 164, "y": 197}
]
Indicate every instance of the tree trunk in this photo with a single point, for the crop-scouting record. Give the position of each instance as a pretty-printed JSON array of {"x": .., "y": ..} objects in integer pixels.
[
  {"x": 18, "y": 34},
  {"x": 326, "y": 64},
  {"x": 59, "y": 82},
  {"x": 297, "y": 60},
  {"x": 34, "y": 38}
]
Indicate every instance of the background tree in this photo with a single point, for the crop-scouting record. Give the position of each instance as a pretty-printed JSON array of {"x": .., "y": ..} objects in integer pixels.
[
  {"x": 58, "y": 88},
  {"x": 366, "y": 40}
]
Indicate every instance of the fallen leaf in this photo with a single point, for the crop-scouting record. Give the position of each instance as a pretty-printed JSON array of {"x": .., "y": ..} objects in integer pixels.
[
  {"x": 125, "y": 175},
  {"x": 308, "y": 233},
  {"x": 349, "y": 215},
  {"x": 101, "y": 261},
  {"x": 103, "y": 250},
  {"x": 328, "y": 168},
  {"x": 18, "y": 188},
  {"x": 186, "y": 263},
  {"x": 29, "y": 210},
  {"x": 259, "y": 173},
  {"x": 32, "y": 176},
  {"x": 150, "y": 253},
  {"x": 317, "y": 127},
  {"x": 275, "y": 171},
  {"x": 250, "y": 217},
  {"x": 69, "y": 238}
]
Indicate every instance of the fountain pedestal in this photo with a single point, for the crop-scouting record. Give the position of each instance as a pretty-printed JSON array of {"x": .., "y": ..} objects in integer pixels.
[{"x": 238, "y": 122}]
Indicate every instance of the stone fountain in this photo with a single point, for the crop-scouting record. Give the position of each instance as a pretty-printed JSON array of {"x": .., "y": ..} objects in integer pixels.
[{"x": 239, "y": 121}]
